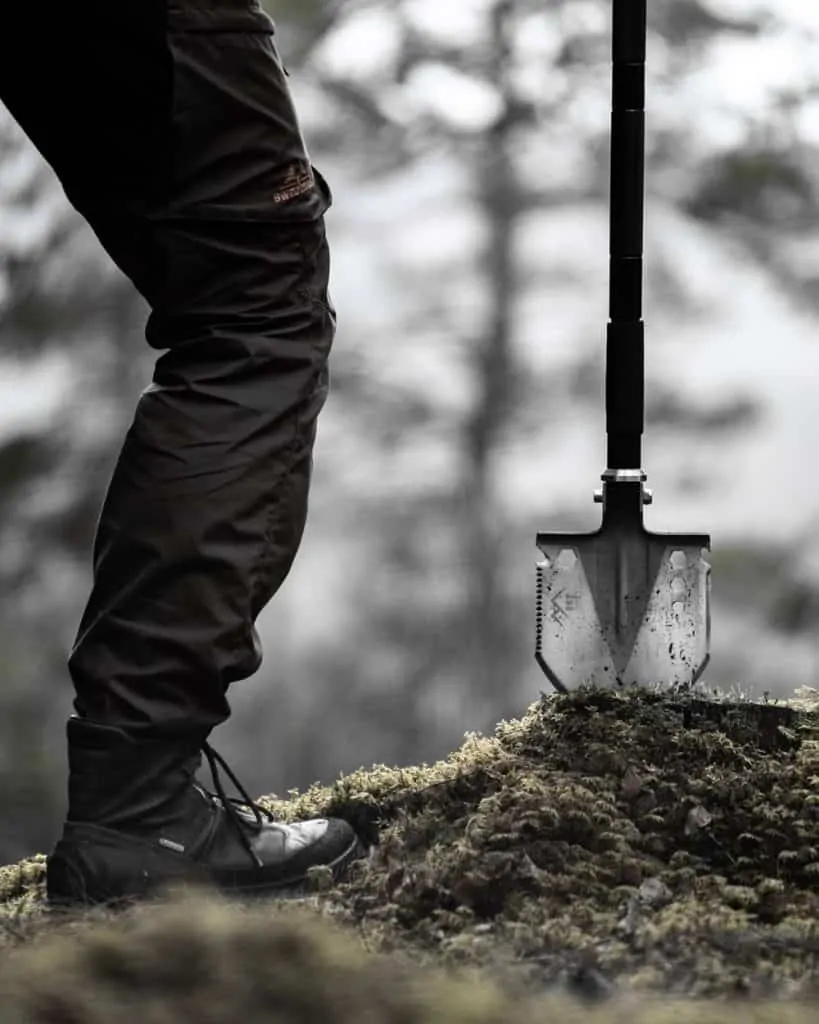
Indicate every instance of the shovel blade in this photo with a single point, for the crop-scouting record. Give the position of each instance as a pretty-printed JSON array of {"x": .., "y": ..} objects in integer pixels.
[{"x": 623, "y": 607}]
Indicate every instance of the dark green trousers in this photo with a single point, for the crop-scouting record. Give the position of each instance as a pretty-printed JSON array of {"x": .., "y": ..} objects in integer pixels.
[{"x": 172, "y": 130}]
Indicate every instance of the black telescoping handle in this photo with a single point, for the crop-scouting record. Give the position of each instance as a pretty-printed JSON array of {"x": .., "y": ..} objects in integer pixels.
[{"x": 625, "y": 347}]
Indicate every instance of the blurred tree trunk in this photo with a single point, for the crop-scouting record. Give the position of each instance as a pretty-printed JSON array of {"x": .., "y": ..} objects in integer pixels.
[{"x": 500, "y": 200}]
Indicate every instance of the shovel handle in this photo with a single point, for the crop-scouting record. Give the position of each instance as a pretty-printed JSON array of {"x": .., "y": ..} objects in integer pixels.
[{"x": 625, "y": 348}]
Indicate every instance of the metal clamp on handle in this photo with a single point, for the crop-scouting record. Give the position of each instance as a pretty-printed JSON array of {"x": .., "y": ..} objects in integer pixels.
[{"x": 625, "y": 476}]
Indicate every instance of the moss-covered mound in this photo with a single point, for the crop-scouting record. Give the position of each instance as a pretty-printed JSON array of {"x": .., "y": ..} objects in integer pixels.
[
  {"x": 200, "y": 961},
  {"x": 661, "y": 845},
  {"x": 601, "y": 844}
]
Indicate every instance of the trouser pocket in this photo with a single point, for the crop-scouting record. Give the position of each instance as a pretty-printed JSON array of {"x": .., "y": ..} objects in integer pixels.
[{"x": 238, "y": 148}]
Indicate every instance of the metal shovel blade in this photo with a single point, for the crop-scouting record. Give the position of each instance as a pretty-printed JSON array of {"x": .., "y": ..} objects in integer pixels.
[{"x": 623, "y": 607}]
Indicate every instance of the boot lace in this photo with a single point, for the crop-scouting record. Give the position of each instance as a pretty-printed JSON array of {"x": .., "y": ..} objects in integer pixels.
[{"x": 230, "y": 803}]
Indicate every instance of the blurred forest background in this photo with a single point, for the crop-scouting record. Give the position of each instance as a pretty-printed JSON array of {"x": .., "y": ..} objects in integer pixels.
[{"x": 467, "y": 146}]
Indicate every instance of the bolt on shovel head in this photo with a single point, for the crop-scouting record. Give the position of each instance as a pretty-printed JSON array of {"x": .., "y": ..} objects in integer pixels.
[{"x": 623, "y": 607}]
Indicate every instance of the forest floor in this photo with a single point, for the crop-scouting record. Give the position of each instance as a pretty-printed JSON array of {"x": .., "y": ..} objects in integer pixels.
[{"x": 632, "y": 857}]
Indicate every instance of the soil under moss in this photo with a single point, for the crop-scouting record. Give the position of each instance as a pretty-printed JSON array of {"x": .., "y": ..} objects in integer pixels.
[{"x": 602, "y": 844}]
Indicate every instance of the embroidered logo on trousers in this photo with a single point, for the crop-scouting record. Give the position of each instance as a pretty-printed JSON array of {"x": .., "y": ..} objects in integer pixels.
[{"x": 297, "y": 180}]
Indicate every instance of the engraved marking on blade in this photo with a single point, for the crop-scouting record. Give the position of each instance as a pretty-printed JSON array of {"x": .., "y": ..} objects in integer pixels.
[
  {"x": 558, "y": 613},
  {"x": 571, "y": 602}
]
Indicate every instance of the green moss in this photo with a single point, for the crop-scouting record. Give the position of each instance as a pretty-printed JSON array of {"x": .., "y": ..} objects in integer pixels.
[
  {"x": 661, "y": 845},
  {"x": 550, "y": 831},
  {"x": 199, "y": 959}
]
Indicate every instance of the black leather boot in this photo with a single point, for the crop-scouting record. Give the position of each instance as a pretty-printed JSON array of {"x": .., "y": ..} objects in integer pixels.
[{"x": 138, "y": 821}]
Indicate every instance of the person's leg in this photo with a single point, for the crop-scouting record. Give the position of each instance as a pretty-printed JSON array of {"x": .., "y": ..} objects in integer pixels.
[{"x": 174, "y": 134}]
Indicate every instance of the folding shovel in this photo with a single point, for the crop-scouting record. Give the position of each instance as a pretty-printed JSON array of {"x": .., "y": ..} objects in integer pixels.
[{"x": 623, "y": 606}]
